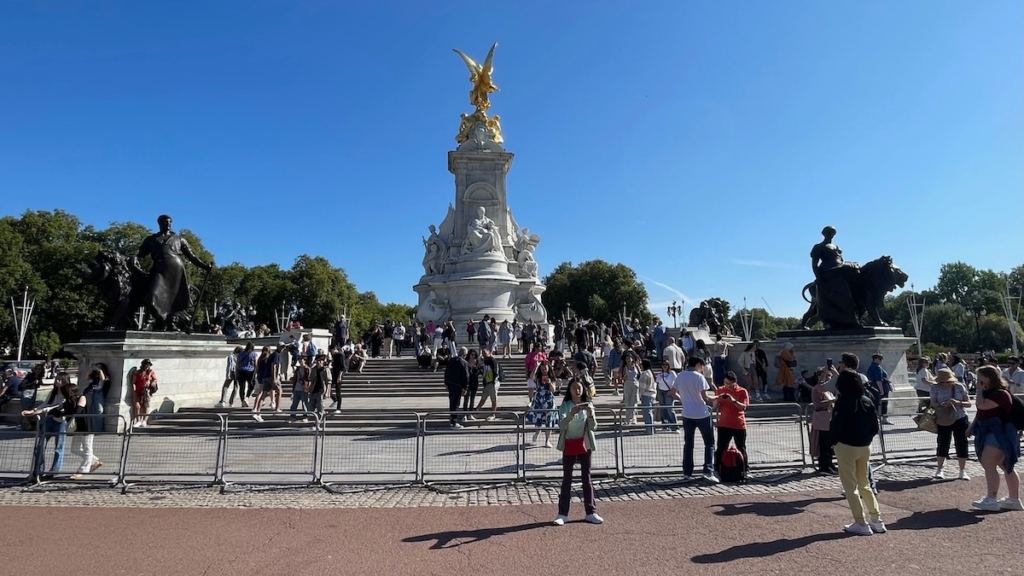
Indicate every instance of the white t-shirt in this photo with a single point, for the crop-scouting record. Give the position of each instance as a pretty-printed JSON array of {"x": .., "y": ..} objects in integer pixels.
[
  {"x": 665, "y": 380},
  {"x": 921, "y": 384},
  {"x": 691, "y": 387},
  {"x": 1016, "y": 380}
]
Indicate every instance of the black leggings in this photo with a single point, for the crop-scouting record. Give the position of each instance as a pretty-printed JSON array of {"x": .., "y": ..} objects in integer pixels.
[
  {"x": 245, "y": 383},
  {"x": 958, "y": 433},
  {"x": 469, "y": 400},
  {"x": 736, "y": 435}
]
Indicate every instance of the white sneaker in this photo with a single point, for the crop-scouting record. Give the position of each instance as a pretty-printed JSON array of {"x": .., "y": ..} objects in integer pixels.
[
  {"x": 219, "y": 404},
  {"x": 1010, "y": 504},
  {"x": 548, "y": 444},
  {"x": 963, "y": 475},
  {"x": 142, "y": 424},
  {"x": 939, "y": 475},
  {"x": 877, "y": 526},
  {"x": 858, "y": 528},
  {"x": 986, "y": 503},
  {"x": 757, "y": 397},
  {"x": 711, "y": 477},
  {"x": 594, "y": 519},
  {"x": 257, "y": 417},
  {"x": 337, "y": 411},
  {"x": 456, "y": 425},
  {"x": 471, "y": 418},
  {"x": 491, "y": 418},
  {"x": 560, "y": 520}
]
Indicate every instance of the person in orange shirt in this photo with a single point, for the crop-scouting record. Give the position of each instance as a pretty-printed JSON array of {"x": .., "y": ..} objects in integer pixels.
[
  {"x": 144, "y": 384},
  {"x": 731, "y": 400},
  {"x": 785, "y": 378}
]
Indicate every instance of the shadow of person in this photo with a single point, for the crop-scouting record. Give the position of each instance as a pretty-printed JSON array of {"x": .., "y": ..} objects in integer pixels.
[
  {"x": 770, "y": 509},
  {"x": 947, "y": 518},
  {"x": 456, "y": 538},
  {"x": 763, "y": 549}
]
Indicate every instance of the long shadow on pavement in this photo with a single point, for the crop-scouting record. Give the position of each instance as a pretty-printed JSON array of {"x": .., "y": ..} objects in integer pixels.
[
  {"x": 456, "y": 538},
  {"x": 763, "y": 549},
  {"x": 771, "y": 509},
  {"x": 948, "y": 518}
]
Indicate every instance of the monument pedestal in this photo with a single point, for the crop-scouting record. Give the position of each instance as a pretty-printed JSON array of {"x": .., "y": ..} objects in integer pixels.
[
  {"x": 190, "y": 368},
  {"x": 813, "y": 347}
]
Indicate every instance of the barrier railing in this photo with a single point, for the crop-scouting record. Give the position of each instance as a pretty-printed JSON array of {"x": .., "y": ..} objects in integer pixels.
[
  {"x": 17, "y": 449},
  {"x": 480, "y": 450},
  {"x": 542, "y": 462},
  {"x": 275, "y": 451},
  {"x": 384, "y": 449},
  {"x": 154, "y": 455},
  {"x": 370, "y": 447}
]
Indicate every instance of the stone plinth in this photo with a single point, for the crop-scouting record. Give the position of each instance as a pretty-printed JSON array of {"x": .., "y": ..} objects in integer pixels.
[
  {"x": 470, "y": 271},
  {"x": 190, "y": 367},
  {"x": 813, "y": 347}
]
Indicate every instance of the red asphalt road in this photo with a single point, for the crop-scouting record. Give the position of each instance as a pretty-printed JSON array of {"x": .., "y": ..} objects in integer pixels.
[{"x": 932, "y": 532}]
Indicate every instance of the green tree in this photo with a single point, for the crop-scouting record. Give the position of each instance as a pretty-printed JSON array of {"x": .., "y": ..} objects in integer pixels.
[
  {"x": 319, "y": 290},
  {"x": 615, "y": 286},
  {"x": 995, "y": 333},
  {"x": 956, "y": 281},
  {"x": 265, "y": 288},
  {"x": 948, "y": 325}
]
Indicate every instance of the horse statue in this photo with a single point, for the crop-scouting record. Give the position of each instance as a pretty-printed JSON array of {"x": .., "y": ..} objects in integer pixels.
[{"x": 868, "y": 286}]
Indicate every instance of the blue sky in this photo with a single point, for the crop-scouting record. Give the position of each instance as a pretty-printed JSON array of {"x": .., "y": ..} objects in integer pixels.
[{"x": 703, "y": 144}]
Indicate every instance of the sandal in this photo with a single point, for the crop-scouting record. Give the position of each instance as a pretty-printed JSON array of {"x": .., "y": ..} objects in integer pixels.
[
  {"x": 95, "y": 465},
  {"x": 75, "y": 477}
]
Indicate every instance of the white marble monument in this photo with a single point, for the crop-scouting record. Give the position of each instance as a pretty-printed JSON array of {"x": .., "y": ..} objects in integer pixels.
[{"x": 478, "y": 261}]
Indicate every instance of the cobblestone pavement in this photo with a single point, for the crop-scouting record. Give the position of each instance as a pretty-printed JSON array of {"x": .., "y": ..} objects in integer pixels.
[{"x": 545, "y": 492}]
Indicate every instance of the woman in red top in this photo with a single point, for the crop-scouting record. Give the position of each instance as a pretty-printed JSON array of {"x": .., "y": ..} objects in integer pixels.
[
  {"x": 996, "y": 440},
  {"x": 732, "y": 401}
]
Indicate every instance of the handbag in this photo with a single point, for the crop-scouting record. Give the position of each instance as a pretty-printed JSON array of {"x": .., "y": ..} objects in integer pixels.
[
  {"x": 945, "y": 416},
  {"x": 575, "y": 446},
  {"x": 926, "y": 421}
]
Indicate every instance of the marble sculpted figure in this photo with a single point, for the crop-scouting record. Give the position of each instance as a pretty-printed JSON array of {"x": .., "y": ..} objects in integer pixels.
[
  {"x": 436, "y": 251},
  {"x": 481, "y": 235}
]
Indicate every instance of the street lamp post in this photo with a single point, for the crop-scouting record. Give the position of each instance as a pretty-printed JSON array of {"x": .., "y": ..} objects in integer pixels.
[
  {"x": 674, "y": 312},
  {"x": 978, "y": 310}
]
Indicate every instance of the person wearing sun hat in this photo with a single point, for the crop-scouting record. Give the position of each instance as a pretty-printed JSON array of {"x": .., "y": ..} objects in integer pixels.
[{"x": 949, "y": 398}]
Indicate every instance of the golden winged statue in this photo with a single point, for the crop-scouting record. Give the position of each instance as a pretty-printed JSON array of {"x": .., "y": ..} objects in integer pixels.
[{"x": 480, "y": 77}]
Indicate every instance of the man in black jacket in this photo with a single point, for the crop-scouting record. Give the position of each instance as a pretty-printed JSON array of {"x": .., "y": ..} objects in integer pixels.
[{"x": 456, "y": 380}]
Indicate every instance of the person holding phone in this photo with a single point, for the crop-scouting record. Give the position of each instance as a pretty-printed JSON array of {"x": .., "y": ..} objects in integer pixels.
[
  {"x": 732, "y": 400},
  {"x": 576, "y": 441}
]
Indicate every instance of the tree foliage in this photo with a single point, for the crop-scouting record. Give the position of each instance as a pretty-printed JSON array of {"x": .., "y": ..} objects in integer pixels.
[
  {"x": 45, "y": 252},
  {"x": 595, "y": 290}
]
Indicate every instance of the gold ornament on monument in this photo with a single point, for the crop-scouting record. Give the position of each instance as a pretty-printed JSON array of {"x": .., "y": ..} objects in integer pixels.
[{"x": 480, "y": 78}]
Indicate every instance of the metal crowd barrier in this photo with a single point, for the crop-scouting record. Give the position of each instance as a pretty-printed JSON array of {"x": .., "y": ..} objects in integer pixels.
[
  {"x": 159, "y": 456},
  {"x": 660, "y": 453},
  {"x": 368, "y": 447},
  {"x": 541, "y": 462},
  {"x": 17, "y": 449},
  {"x": 775, "y": 436},
  {"x": 275, "y": 452},
  {"x": 480, "y": 451}
]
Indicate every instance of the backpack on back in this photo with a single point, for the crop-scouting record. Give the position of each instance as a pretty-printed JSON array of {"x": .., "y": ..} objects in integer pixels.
[
  {"x": 1017, "y": 413},
  {"x": 731, "y": 468}
]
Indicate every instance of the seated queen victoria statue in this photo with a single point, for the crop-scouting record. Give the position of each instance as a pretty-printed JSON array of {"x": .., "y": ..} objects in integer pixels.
[{"x": 481, "y": 235}]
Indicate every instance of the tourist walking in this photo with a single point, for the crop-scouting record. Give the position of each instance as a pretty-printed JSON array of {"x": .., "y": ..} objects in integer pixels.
[
  {"x": 949, "y": 398},
  {"x": 300, "y": 399},
  {"x": 692, "y": 390},
  {"x": 612, "y": 364},
  {"x": 246, "y": 372},
  {"x": 1013, "y": 375},
  {"x": 748, "y": 363},
  {"x": 85, "y": 430},
  {"x": 490, "y": 374},
  {"x": 576, "y": 441},
  {"x": 318, "y": 384},
  {"x": 475, "y": 372},
  {"x": 29, "y": 389},
  {"x": 629, "y": 374},
  {"x": 648, "y": 394},
  {"x": 762, "y": 370},
  {"x": 505, "y": 339},
  {"x": 924, "y": 383},
  {"x": 231, "y": 381},
  {"x": 879, "y": 385},
  {"x": 542, "y": 412},
  {"x": 995, "y": 440},
  {"x": 456, "y": 380},
  {"x": 665, "y": 381},
  {"x": 853, "y": 427}
]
